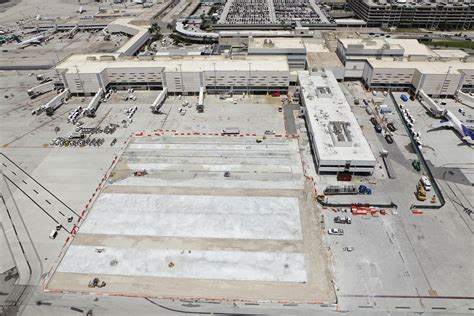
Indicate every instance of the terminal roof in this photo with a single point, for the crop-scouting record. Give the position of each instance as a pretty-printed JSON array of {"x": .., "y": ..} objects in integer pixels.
[
  {"x": 86, "y": 64},
  {"x": 337, "y": 134},
  {"x": 427, "y": 67}
]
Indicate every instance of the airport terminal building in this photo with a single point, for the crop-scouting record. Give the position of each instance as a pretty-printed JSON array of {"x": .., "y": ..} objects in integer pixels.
[
  {"x": 406, "y": 64},
  {"x": 335, "y": 135},
  {"x": 86, "y": 74}
]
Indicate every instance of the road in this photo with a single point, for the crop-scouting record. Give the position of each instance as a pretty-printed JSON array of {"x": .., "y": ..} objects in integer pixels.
[
  {"x": 22, "y": 249},
  {"x": 46, "y": 201}
]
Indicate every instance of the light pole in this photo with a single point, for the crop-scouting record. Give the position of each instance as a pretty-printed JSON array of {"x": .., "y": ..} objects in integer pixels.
[
  {"x": 215, "y": 83},
  {"x": 248, "y": 82},
  {"x": 181, "y": 76}
]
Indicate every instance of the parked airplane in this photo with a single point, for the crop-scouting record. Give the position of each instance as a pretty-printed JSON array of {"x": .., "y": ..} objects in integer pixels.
[
  {"x": 37, "y": 40},
  {"x": 451, "y": 121}
]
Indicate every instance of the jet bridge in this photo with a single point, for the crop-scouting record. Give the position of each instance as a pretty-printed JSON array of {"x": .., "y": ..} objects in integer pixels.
[
  {"x": 200, "y": 105},
  {"x": 464, "y": 98},
  {"x": 40, "y": 89},
  {"x": 434, "y": 107},
  {"x": 73, "y": 32},
  {"x": 56, "y": 102},
  {"x": 94, "y": 104},
  {"x": 155, "y": 107}
]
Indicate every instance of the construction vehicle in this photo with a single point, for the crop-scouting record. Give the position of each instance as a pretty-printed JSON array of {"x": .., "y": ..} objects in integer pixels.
[
  {"x": 420, "y": 192},
  {"x": 416, "y": 165}
]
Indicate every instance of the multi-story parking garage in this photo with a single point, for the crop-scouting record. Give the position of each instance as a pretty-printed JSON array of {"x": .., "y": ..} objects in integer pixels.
[{"x": 458, "y": 14}]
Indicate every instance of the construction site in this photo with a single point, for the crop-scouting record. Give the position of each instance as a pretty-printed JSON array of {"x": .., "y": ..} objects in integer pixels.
[
  {"x": 231, "y": 157},
  {"x": 194, "y": 222}
]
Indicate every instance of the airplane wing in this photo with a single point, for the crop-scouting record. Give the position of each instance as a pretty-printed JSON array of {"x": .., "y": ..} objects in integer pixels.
[{"x": 442, "y": 124}]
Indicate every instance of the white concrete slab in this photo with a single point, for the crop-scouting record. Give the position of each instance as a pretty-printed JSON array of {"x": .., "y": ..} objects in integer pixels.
[
  {"x": 209, "y": 167},
  {"x": 195, "y": 216},
  {"x": 212, "y": 183},
  {"x": 222, "y": 265},
  {"x": 206, "y": 147}
]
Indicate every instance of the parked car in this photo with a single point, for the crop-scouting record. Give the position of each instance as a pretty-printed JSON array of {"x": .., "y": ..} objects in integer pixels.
[
  {"x": 373, "y": 120},
  {"x": 336, "y": 231},
  {"x": 391, "y": 127},
  {"x": 378, "y": 128},
  {"x": 389, "y": 139},
  {"x": 342, "y": 220},
  {"x": 426, "y": 183}
]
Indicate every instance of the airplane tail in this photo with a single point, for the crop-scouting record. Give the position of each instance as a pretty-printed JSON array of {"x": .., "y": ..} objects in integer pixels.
[{"x": 467, "y": 132}]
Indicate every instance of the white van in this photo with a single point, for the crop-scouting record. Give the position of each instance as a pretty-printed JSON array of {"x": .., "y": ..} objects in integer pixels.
[
  {"x": 231, "y": 131},
  {"x": 53, "y": 234},
  {"x": 426, "y": 183}
]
